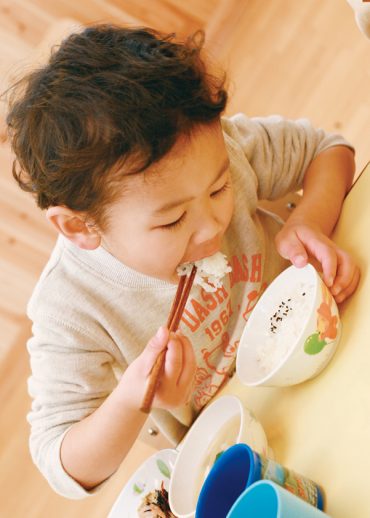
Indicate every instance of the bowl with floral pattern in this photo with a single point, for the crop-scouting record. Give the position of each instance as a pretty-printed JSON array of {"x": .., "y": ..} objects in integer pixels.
[
  {"x": 292, "y": 332},
  {"x": 146, "y": 493}
]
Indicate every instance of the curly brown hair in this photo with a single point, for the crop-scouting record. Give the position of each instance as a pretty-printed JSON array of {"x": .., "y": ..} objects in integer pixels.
[{"x": 108, "y": 96}]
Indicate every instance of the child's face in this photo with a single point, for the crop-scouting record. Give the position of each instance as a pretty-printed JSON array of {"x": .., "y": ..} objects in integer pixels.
[{"x": 175, "y": 212}]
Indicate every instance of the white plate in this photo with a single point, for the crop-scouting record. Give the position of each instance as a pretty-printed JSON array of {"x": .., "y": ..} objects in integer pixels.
[{"x": 149, "y": 476}]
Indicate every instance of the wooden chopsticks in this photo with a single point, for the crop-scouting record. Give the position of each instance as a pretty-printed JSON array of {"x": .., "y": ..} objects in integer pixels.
[{"x": 177, "y": 309}]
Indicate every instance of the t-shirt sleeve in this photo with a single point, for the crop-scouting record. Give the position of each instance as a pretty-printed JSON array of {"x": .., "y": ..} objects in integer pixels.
[
  {"x": 72, "y": 374},
  {"x": 279, "y": 150}
]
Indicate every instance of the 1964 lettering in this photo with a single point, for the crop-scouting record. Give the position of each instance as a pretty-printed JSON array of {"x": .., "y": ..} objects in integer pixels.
[{"x": 219, "y": 323}]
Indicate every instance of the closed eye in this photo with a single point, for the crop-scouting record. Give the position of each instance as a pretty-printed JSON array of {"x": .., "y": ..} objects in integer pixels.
[
  {"x": 174, "y": 224},
  {"x": 224, "y": 188}
]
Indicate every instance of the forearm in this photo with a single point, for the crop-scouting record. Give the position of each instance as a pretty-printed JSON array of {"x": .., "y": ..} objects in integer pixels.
[
  {"x": 326, "y": 182},
  {"x": 306, "y": 233},
  {"x": 94, "y": 448}
]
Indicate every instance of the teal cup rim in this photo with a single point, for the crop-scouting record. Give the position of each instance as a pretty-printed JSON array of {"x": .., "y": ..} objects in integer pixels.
[
  {"x": 276, "y": 493},
  {"x": 252, "y": 488}
]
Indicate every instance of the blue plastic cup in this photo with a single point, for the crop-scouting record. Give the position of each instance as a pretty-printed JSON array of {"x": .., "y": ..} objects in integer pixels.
[
  {"x": 237, "y": 469},
  {"x": 268, "y": 499}
]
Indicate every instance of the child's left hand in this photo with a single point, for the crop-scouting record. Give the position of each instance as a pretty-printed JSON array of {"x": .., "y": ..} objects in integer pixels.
[{"x": 299, "y": 242}]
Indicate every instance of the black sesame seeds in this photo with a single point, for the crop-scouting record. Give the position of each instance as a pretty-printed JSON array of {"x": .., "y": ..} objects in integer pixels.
[{"x": 281, "y": 314}]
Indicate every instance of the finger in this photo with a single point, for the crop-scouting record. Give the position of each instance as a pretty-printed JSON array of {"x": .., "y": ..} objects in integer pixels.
[
  {"x": 321, "y": 248},
  {"x": 292, "y": 248},
  {"x": 326, "y": 254},
  {"x": 343, "y": 295},
  {"x": 189, "y": 364},
  {"x": 174, "y": 360},
  {"x": 329, "y": 264},
  {"x": 154, "y": 347},
  {"x": 345, "y": 272}
]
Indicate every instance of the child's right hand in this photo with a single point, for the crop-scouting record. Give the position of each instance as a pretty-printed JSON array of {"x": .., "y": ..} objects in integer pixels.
[{"x": 176, "y": 382}]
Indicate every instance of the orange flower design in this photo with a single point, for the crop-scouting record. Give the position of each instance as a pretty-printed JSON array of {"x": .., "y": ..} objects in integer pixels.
[{"x": 326, "y": 322}]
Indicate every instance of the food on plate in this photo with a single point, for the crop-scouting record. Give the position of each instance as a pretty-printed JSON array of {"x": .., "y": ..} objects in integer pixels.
[
  {"x": 210, "y": 271},
  {"x": 155, "y": 505}
]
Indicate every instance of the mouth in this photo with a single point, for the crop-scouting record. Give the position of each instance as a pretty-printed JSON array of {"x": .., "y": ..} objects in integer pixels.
[
  {"x": 204, "y": 255},
  {"x": 202, "y": 252}
]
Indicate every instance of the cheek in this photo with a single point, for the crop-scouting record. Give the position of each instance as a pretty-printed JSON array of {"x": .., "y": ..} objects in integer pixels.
[
  {"x": 162, "y": 251},
  {"x": 228, "y": 209}
]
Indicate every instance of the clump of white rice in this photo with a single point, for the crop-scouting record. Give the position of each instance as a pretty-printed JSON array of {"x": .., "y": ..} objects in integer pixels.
[
  {"x": 210, "y": 271},
  {"x": 283, "y": 326}
]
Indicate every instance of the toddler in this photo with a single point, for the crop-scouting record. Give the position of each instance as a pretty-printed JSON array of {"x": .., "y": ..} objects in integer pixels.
[{"x": 121, "y": 139}]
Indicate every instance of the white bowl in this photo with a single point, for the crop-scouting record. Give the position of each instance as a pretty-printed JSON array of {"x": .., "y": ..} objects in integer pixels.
[
  {"x": 155, "y": 471},
  {"x": 292, "y": 332},
  {"x": 223, "y": 423}
]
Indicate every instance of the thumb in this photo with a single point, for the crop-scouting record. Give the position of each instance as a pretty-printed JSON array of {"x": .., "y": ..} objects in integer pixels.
[
  {"x": 155, "y": 345},
  {"x": 293, "y": 249}
]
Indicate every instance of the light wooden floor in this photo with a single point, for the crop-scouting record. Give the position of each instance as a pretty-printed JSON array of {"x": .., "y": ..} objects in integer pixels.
[{"x": 299, "y": 59}]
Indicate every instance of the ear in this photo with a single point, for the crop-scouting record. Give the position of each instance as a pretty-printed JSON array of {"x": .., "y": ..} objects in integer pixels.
[{"x": 73, "y": 225}]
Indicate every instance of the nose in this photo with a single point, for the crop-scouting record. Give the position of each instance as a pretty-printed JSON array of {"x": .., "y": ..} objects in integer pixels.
[{"x": 208, "y": 227}]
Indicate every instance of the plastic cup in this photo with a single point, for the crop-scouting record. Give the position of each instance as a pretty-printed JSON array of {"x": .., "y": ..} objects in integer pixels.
[
  {"x": 268, "y": 499},
  {"x": 237, "y": 469}
]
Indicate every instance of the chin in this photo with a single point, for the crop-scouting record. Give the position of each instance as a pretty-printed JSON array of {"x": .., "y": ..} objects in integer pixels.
[{"x": 171, "y": 277}]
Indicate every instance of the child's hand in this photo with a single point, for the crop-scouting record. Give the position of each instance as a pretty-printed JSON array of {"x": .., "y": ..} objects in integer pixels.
[
  {"x": 176, "y": 382},
  {"x": 298, "y": 242}
]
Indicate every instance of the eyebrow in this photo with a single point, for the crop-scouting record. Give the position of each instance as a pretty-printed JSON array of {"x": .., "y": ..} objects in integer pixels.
[{"x": 175, "y": 203}]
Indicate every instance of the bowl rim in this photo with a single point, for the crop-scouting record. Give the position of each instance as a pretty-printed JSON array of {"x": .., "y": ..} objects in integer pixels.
[
  {"x": 189, "y": 438},
  {"x": 317, "y": 282}
]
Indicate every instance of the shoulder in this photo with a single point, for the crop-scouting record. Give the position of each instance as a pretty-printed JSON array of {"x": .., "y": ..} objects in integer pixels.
[
  {"x": 247, "y": 130},
  {"x": 68, "y": 309},
  {"x": 63, "y": 287}
]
